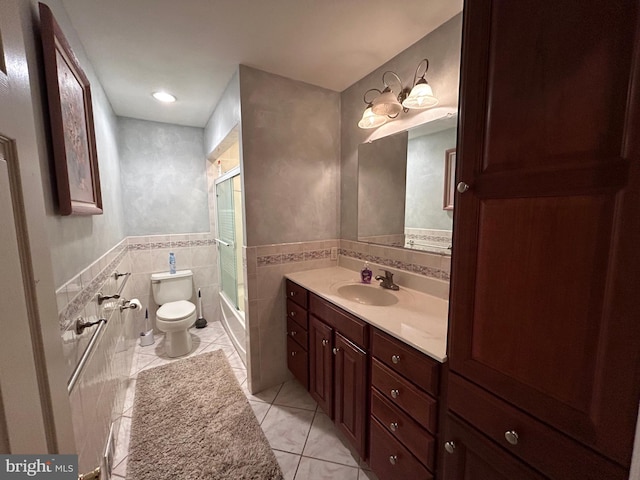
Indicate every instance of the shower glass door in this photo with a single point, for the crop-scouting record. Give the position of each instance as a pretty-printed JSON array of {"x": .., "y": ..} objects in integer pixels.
[{"x": 227, "y": 244}]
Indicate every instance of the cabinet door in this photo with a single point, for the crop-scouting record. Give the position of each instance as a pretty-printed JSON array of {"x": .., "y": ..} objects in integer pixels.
[
  {"x": 321, "y": 364},
  {"x": 470, "y": 456},
  {"x": 351, "y": 391},
  {"x": 542, "y": 310}
]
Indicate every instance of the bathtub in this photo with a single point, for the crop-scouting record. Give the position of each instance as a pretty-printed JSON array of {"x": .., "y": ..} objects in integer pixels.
[{"x": 234, "y": 324}]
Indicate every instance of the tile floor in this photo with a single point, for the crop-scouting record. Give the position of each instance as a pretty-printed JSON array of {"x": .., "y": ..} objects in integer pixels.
[{"x": 303, "y": 438}]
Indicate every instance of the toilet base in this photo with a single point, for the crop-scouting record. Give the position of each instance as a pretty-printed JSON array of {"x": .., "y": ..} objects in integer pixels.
[{"x": 178, "y": 344}]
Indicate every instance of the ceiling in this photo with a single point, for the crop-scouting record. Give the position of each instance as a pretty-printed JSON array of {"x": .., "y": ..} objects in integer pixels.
[{"x": 191, "y": 48}]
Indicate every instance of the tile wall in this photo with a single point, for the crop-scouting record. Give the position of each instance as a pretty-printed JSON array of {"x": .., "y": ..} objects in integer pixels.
[
  {"x": 266, "y": 266},
  {"x": 98, "y": 396},
  {"x": 99, "y": 393},
  {"x": 428, "y": 239}
]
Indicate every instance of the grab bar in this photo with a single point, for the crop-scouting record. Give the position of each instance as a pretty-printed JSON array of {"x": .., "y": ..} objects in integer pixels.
[
  {"x": 223, "y": 242},
  {"x": 75, "y": 376},
  {"x": 85, "y": 356}
]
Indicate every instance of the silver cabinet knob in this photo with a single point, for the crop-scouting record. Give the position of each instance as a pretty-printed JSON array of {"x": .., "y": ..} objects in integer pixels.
[
  {"x": 325, "y": 342},
  {"x": 450, "y": 447},
  {"x": 293, "y": 354},
  {"x": 336, "y": 350},
  {"x": 512, "y": 437},
  {"x": 462, "y": 187},
  {"x": 393, "y": 426},
  {"x": 395, "y": 358},
  {"x": 395, "y": 393},
  {"x": 292, "y": 314},
  {"x": 393, "y": 459},
  {"x": 292, "y": 293}
]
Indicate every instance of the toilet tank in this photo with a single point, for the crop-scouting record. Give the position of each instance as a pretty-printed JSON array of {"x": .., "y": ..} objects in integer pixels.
[{"x": 167, "y": 287}]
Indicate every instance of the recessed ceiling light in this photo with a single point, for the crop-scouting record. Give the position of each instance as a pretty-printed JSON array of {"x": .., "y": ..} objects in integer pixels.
[{"x": 164, "y": 97}]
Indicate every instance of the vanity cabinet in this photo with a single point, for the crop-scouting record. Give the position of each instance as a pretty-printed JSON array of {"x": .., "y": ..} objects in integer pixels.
[
  {"x": 544, "y": 344},
  {"x": 338, "y": 368},
  {"x": 404, "y": 410},
  {"x": 297, "y": 332}
]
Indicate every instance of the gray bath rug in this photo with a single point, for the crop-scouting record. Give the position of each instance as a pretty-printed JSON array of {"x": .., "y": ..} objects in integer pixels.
[{"x": 191, "y": 420}]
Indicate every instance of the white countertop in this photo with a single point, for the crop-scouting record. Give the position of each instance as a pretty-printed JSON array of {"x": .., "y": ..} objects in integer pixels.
[{"x": 418, "y": 319}]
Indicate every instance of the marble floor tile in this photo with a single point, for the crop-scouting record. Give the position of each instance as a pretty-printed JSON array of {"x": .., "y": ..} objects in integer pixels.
[
  {"x": 366, "y": 475},
  {"x": 326, "y": 443},
  {"x": 241, "y": 375},
  {"x": 260, "y": 409},
  {"x": 287, "y": 428},
  {"x": 122, "y": 442},
  {"x": 288, "y": 463},
  {"x": 293, "y": 394},
  {"x": 267, "y": 395},
  {"x": 120, "y": 470},
  {"x": 235, "y": 361},
  {"x": 312, "y": 469}
]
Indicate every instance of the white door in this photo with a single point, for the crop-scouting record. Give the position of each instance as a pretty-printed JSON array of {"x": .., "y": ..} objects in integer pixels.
[{"x": 34, "y": 407}]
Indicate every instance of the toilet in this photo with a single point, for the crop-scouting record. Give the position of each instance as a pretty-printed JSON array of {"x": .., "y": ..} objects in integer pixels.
[{"x": 176, "y": 313}]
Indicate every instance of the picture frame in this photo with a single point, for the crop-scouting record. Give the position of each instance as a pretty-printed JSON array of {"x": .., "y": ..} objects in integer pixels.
[
  {"x": 449, "y": 179},
  {"x": 71, "y": 118}
]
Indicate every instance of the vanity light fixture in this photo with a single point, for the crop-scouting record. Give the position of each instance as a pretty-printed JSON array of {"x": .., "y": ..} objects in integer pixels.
[
  {"x": 164, "y": 97},
  {"x": 389, "y": 105}
]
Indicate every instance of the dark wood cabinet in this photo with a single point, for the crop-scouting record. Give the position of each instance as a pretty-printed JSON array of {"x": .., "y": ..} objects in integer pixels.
[
  {"x": 350, "y": 397},
  {"x": 469, "y": 456},
  {"x": 543, "y": 318},
  {"x": 297, "y": 332},
  {"x": 321, "y": 364}
]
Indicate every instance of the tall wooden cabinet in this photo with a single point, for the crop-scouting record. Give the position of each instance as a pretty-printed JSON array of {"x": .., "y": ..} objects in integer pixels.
[{"x": 544, "y": 341}]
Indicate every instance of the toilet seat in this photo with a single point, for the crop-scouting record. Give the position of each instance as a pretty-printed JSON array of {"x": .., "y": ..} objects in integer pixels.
[{"x": 176, "y": 311}]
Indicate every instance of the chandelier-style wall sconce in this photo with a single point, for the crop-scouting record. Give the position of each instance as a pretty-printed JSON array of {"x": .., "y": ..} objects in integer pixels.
[{"x": 387, "y": 105}]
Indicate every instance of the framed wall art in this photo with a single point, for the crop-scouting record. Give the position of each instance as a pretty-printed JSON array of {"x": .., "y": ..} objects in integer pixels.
[
  {"x": 449, "y": 179},
  {"x": 71, "y": 117}
]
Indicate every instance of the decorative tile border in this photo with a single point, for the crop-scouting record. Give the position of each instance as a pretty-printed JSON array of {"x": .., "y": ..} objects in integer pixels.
[
  {"x": 173, "y": 244},
  {"x": 279, "y": 258},
  {"x": 88, "y": 293},
  {"x": 397, "y": 264}
]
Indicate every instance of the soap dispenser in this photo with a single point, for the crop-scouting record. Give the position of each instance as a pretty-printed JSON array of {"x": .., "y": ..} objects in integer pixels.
[{"x": 366, "y": 273}]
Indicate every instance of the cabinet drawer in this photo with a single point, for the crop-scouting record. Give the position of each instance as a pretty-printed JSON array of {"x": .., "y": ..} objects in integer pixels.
[
  {"x": 296, "y": 293},
  {"x": 297, "y": 313},
  {"x": 544, "y": 448},
  {"x": 297, "y": 361},
  {"x": 297, "y": 333},
  {"x": 404, "y": 428},
  {"x": 419, "y": 405},
  {"x": 401, "y": 358},
  {"x": 389, "y": 460},
  {"x": 350, "y": 326}
]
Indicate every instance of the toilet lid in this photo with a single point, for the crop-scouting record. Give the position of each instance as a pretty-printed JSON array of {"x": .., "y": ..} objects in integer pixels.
[{"x": 176, "y": 310}]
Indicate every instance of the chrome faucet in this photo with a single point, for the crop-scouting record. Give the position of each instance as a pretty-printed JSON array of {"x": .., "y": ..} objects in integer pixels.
[{"x": 387, "y": 280}]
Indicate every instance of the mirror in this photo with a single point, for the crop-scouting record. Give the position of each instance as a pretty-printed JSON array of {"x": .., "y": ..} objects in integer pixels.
[{"x": 404, "y": 187}]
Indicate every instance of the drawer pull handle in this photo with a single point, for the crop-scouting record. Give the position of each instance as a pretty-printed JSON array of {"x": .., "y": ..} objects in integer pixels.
[
  {"x": 292, "y": 293},
  {"x": 512, "y": 437},
  {"x": 395, "y": 393},
  {"x": 293, "y": 354},
  {"x": 292, "y": 314},
  {"x": 450, "y": 447},
  {"x": 336, "y": 350},
  {"x": 394, "y": 426},
  {"x": 293, "y": 333},
  {"x": 393, "y": 459},
  {"x": 395, "y": 358},
  {"x": 325, "y": 342}
]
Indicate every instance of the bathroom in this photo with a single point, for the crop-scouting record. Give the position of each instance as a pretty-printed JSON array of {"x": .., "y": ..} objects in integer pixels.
[{"x": 300, "y": 205}]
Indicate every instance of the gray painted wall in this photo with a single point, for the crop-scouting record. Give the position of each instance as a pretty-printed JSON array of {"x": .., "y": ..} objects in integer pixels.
[
  {"x": 225, "y": 116},
  {"x": 164, "y": 181},
  {"x": 76, "y": 241},
  {"x": 442, "y": 48},
  {"x": 425, "y": 181},
  {"x": 290, "y": 155}
]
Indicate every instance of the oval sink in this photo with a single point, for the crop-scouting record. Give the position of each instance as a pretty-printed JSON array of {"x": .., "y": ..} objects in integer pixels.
[{"x": 367, "y": 295}]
